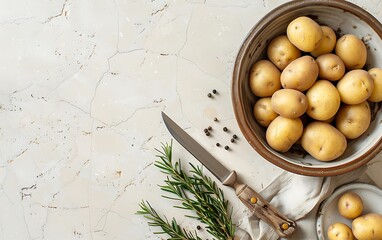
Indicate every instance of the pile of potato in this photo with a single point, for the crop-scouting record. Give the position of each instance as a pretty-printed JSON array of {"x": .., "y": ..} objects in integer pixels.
[
  {"x": 312, "y": 89},
  {"x": 364, "y": 227}
]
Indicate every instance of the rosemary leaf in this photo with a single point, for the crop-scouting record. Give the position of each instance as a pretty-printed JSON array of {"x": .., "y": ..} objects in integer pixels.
[
  {"x": 197, "y": 193},
  {"x": 172, "y": 229}
]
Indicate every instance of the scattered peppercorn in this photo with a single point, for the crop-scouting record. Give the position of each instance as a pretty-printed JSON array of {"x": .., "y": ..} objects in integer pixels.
[
  {"x": 198, "y": 227},
  {"x": 214, "y": 91},
  {"x": 215, "y": 119},
  {"x": 209, "y": 95},
  {"x": 232, "y": 140},
  {"x": 207, "y": 133},
  {"x": 218, "y": 144},
  {"x": 225, "y": 129},
  {"x": 205, "y": 130},
  {"x": 234, "y": 136},
  {"x": 226, "y": 147},
  {"x": 209, "y": 128}
]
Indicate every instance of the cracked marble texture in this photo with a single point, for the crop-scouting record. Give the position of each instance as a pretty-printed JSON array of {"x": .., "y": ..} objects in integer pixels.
[{"x": 83, "y": 84}]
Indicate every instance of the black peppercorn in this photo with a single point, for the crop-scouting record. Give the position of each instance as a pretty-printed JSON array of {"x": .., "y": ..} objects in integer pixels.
[
  {"x": 226, "y": 147},
  {"x": 209, "y": 95},
  {"x": 209, "y": 128},
  {"x": 234, "y": 136},
  {"x": 218, "y": 144},
  {"x": 215, "y": 119},
  {"x": 232, "y": 140},
  {"x": 225, "y": 129},
  {"x": 207, "y": 133},
  {"x": 198, "y": 227},
  {"x": 214, "y": 91},
  {"x": 205, "y": 130}
]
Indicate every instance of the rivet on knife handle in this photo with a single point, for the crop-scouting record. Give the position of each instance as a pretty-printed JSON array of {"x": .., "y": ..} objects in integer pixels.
[{"x": 261, "y": 208}]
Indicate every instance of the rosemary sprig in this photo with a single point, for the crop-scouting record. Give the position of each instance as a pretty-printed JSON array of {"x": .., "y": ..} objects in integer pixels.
[
  {"x": 172, "y": 229},
  {"x": 206, "y": 199}
]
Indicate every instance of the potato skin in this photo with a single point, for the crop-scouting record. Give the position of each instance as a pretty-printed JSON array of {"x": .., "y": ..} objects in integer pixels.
[
  {"x": 327, "y": 43},
  {"x": 339, "y": 231},
  {"x": 352, "y": 51},
  {"x": 353, "y": 120},
  {"x": 355, "y": 86},
  {"x": 323, "y": 100},
  {"x": 330, "y": 66},
  {"x": 323, "y": 141},
  {"x": 289, "y": 103},
  {"x": 304, "y": 33},
  {"x": 282, "y": 133},
  {"x": 376, "y": 75},
  {"x": 263, "y": 112},
  {"x": 368, "y": 227},
  {"x": 300, "y": 74},
  {"x": 264, "y": 78},
  {"x": 350, "y": 205},
  {"x": 281, "y": 52}
]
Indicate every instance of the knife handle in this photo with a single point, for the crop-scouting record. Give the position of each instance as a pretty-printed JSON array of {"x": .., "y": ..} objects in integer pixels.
[{"x": 261, "y": 207}]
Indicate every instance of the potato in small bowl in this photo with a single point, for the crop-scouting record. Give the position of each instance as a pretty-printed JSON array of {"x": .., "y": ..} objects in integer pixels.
[{"x": 344, "y": 20}]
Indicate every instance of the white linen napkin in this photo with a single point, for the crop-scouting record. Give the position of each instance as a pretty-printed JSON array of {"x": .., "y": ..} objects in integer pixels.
[{"x": 296, "y": 196}]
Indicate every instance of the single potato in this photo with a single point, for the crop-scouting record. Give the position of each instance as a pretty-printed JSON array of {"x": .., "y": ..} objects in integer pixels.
[
  {"x": 353, "y": 120},
  {"x": 323, "y": 141},
  {"x": 282, "y": 133},
  {"x": 323, "y": 100},
  {"x": 368, "y": 227},
  {"x": 300, "y": 74},
  {"x": 340, "y": 231},
  {"x": 281, "y": 52},
  {"x": 304, "y": 33},
  {"x": 376, "y": 95},
  {"x": 263, "y": 112},
  {"x": 352, "y": 51},
  {"x": 264, "y": 78},
  {"x": 355, "y": 86},
  {"x": 350, "y": 205},
  {"x": 327, "y": 43},
  {"x": 330, "y": 67},
  {"x": 289, "y": 103}
]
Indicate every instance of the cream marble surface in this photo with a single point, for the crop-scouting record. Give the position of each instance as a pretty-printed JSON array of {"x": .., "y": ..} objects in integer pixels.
[{"x": 83, "y": 84}]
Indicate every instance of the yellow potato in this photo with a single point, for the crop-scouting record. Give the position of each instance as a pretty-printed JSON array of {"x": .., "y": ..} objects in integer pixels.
[
  {"x": 289, "y": 103},
  {"x": 327, "y": 43},
  {"x": 368, "y": 227},
  {"x": 330, "y": 120},
  {"x": 304, "y": 33},
  {"x": 323, "y": 141},
  {"x": 353, "y": 120},
  {"x": 281, "y": 51},
  {"x": 340, "y": 231},
  {"x": 264, "y": 78},
  {"x": 323, "y": 100},
  {"x": 350, "y": 205},
  {"x": 376, "y": 95},
  {"x": 282, "y": 133},
  {"x": 352, "y": 51},
  {"x": 330, "y": 66},
  {"x": 263, "y": 112},
  {"x": 300, "y": 74},
  {"x": 355, "y": 86}
]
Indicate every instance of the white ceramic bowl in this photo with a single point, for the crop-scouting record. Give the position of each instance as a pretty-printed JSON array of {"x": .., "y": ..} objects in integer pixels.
[
  {"x": 343, "y": 17},
  {"x": 328, "y": 213}
]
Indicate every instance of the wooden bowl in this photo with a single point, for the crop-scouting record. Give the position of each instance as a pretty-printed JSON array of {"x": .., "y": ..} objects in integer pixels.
[{"x": 344, "y": 18}]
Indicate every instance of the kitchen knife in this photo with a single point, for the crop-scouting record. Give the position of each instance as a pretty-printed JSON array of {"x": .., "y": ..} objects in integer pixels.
[{"x": 251, "y": 199}]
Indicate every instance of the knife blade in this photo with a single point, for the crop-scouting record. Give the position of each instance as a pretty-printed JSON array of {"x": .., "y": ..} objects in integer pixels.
[{"x": 261, "y": 208}]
